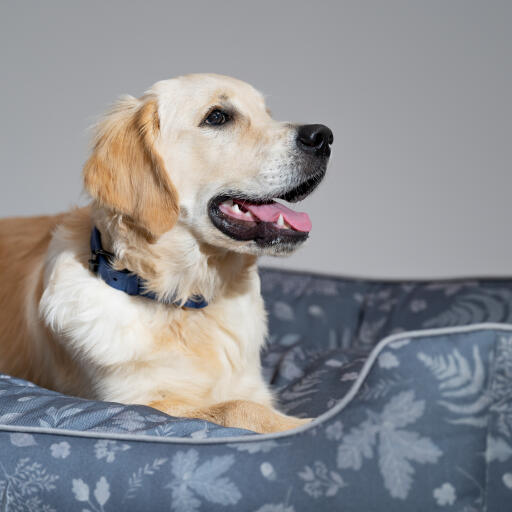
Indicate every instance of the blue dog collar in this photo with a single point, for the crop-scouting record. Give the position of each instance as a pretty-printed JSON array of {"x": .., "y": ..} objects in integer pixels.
[{"x": 127, "y": 281}]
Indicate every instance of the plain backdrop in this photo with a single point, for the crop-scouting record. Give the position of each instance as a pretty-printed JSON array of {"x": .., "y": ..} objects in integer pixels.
[{"x": 418, "y": 95}]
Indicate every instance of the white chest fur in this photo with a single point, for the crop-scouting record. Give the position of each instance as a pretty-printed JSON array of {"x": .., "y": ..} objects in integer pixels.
[{"x": 136, "y": 350}]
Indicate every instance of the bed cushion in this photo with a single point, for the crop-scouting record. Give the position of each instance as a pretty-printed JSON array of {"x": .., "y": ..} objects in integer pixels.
[{"x": 421, "y": 420}]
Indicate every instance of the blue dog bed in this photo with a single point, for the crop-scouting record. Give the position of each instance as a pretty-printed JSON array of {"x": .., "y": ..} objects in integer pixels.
[{"x": 410, "y": 384}]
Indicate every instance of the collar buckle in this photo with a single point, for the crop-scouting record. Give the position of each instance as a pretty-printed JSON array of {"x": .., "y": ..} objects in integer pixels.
[{"x": 94, "y": 262}]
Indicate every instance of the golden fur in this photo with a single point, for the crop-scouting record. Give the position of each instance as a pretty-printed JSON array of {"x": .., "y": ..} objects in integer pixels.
[
  {"x": 27, "y": 348},
  {"x": 150, "y": 175},
  {"x": 126, "y": 174}
]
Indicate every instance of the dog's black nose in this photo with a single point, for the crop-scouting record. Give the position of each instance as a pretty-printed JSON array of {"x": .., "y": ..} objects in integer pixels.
[{"x": 315, "y": 138}]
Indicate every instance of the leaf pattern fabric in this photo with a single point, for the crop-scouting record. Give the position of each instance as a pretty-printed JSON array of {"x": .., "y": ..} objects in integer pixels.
[{"x": 420, "y": 421}]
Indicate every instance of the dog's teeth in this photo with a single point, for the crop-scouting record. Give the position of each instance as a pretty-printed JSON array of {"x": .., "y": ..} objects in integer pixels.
[
  {"x": 280, "y": 221},
  {"x": 235, "y": 208}
]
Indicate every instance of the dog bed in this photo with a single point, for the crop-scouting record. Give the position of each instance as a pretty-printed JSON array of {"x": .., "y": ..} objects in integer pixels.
[{"x": 410, "y": 384}]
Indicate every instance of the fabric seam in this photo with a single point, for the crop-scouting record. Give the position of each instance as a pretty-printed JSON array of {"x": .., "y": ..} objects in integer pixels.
[{"x": 388, "y": 280}]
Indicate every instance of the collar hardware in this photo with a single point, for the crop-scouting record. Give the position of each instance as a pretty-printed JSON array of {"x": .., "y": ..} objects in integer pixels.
[{"x": 94, "y": 261}]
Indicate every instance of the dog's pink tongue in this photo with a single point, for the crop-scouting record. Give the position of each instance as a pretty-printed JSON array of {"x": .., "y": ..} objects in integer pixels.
[{"x": 270, "y": 213}]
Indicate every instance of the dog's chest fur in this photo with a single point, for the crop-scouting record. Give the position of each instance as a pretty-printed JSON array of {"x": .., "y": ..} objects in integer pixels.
[{"x": 136, "y": 350}]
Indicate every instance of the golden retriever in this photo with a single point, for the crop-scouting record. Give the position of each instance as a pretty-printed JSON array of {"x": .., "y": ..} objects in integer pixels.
[{"x": 183, "y": 182}]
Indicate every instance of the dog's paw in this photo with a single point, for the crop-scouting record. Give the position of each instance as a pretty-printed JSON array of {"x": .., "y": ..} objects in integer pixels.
[{"x": 290, "y": 422}]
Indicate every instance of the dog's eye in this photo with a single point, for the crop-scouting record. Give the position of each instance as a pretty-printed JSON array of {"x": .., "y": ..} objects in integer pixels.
[{"x": 216, "y": 118}]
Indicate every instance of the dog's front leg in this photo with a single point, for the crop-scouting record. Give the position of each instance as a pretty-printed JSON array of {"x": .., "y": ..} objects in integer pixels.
[{"x": 241, "y": 414}]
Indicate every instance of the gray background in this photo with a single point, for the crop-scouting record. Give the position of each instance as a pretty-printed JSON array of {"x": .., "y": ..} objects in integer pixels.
[{"x": 417, "y": 94}]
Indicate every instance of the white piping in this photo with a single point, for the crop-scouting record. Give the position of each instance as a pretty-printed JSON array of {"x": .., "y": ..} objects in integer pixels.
[{"x": 289, "y": 433}]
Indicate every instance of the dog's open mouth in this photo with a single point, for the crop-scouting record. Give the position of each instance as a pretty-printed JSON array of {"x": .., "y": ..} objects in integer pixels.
[{"x": 265, "y": 221}]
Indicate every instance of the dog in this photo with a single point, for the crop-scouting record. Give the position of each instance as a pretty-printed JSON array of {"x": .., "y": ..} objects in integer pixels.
[{"x": 150, "y": 294}]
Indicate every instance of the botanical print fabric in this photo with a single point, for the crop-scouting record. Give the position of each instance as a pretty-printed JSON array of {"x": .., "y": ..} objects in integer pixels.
[{"x": 421, "y": 422}]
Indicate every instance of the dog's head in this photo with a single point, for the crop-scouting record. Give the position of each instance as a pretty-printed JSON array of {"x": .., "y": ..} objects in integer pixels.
[{"x": 203, "y": 150}]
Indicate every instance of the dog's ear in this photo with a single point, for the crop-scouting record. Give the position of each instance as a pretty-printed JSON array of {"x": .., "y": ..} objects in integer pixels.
[{"x": 125, "y": 173}]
